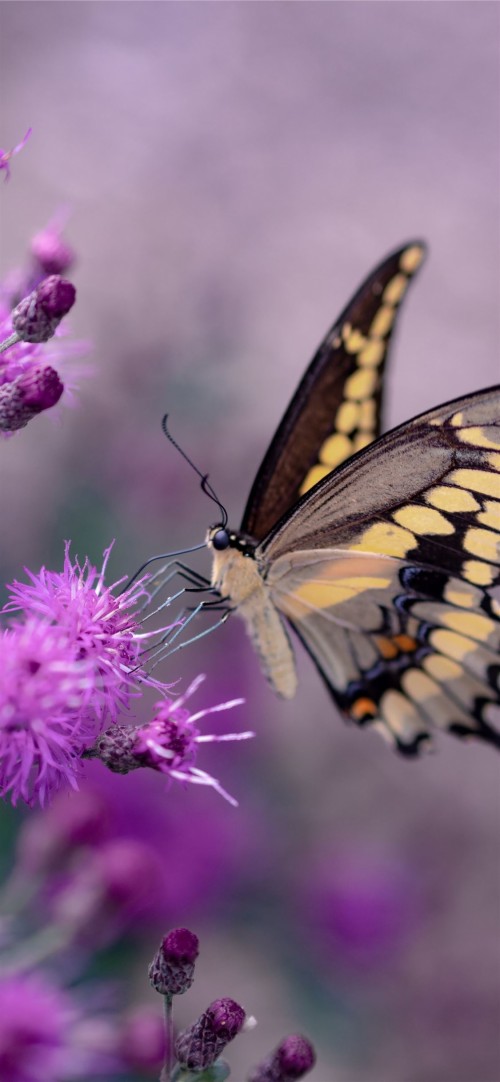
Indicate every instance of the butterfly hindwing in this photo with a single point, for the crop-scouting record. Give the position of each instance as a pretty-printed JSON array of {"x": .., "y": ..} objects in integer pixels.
[
  {"x": 336, "y": 409},
  {"x": 390, "y": 573}
]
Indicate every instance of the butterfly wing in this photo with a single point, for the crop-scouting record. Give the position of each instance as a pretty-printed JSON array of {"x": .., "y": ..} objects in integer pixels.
[
  {"x": 389, "y": 571},
  {"x": 336, "y": 409}
]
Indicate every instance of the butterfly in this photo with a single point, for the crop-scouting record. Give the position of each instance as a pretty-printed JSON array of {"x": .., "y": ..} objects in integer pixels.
[{"x": 382, "y": 553}]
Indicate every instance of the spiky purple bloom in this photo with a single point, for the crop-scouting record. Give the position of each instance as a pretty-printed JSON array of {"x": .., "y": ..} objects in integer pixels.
[
  {"x": 36, "y": 316},
  {"x": 172, "y": 970},
  {"x": 199, "y": 1046},
  {"x": 6, "y": 155},
  {"x": 291, "y": 1060},
  {"x": 67, "y": 670},
  {"x": 37, "y": 389},
  {"x": 168, "y": 743}
]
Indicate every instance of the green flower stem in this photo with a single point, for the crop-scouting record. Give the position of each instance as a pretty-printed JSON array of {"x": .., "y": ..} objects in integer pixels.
[{"x": 166, "y": 1074}]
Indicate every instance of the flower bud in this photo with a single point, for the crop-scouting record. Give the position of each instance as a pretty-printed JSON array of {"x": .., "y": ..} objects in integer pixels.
[
  {"x": 293, "y": 1058},
  {"x": 172, "y": 970},
  {"x": 36, "y": 317},
  {"x": 52, "y": 254},
  {"x": 200, "y": 1045},
  {"x": 37, "y": 389}
]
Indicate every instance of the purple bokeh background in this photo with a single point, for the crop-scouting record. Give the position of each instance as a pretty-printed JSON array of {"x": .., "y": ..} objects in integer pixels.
[{"x": 234, "y": 170}]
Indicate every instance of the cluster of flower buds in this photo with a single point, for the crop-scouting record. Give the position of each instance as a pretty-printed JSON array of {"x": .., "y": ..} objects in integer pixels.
[{"x": 199, "y": 1047}]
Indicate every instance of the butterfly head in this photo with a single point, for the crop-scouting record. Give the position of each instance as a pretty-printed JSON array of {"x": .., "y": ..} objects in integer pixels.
[{"x": 220, "y": 539}]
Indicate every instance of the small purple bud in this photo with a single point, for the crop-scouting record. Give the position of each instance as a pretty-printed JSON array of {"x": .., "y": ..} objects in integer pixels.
[
  {"x": 36, "y": 317},
  {"x": 52, "y": 254},
  {"x": 172, "y": 970},
  {"x": 37, "y": 389},
  {"x": 293, "y": 1058},
  {"x": 200, "y": 1045},
  {"x": 115, "y": 748}
]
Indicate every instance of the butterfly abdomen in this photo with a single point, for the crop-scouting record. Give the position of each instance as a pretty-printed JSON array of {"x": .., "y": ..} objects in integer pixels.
[{"x": 237, "y": 577}]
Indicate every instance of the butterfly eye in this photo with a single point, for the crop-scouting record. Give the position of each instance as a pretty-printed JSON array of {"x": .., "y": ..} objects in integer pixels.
[{"x": 220, "y": 540}]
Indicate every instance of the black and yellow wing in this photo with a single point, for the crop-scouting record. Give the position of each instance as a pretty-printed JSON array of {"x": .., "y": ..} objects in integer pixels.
[
  {"x": 389, "y": 571},
  {"x": 336, "y": 410}
]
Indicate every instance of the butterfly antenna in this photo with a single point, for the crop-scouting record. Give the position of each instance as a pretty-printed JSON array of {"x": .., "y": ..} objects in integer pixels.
[{"x": 206, "y": 487}]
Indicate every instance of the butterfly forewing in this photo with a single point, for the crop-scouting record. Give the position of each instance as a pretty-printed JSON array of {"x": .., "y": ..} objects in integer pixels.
[
  {"x": 390, "y": 573},
  {"x": 336, "y": 409}
]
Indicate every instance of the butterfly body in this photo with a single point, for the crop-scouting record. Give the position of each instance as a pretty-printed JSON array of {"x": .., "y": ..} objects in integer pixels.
[{"x": 383, "y": 554}]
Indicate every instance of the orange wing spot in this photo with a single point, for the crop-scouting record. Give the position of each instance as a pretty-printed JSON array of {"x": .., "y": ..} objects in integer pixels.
[
  {"x": 386, "y": 647},
  {"x": 363, "y": 708},
  {"x": 405, "y": 643}
]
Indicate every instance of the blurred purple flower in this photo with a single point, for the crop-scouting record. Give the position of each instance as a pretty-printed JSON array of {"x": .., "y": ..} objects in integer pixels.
[
  {"x": 51, "y": 253},
  {"x": 35, "y": 1030},
  {"x": 142, "y": 1040},
  {"x": 362, "y": 905},
  {"x": 73, "y": 664},
  {"x": 292, "y": 1059},
  {"x": 202, "y": 1043},
  {"x": 45, "y": 842},
  {"x": 168, "y": 743},
  {"x": 6, "y": 155}
]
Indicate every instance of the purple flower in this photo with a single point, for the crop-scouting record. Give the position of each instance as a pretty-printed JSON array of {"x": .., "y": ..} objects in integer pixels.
[
  {"x": 50, "y": 251},
  {"x": 35, "y": 1019},
  {"x": 168, "y": 743},
  {"x": 292, "y": 1059},
  {"x": 6, "y": 155},
  {"x": 72, "y": 665},
  {"x": 46, "y": 719},
  {"x": 142, "y": 1040},
  {"x": 172, "y": 970},
  {"x": 200, "y": 1045}
]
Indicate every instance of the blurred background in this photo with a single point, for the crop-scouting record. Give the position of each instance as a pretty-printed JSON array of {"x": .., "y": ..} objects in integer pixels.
[{"x": 233, "y": 171}]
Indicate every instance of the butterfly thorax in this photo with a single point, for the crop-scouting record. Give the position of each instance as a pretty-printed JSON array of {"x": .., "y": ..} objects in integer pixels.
[{"x": 238, "y": 577}]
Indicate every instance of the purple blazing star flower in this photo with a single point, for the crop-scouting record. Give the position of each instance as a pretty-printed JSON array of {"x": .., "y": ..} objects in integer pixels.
[
  {"x": 70, "y": 667},
  {"x": 35, "y": 1018},
  {"x": 200, "y": 1045},
  {"x": 6, "y": 155},
  {"x": 292, "y": 1059},
  {"x": 172, "y": 970},
  {"x": 168, "y": 743}
]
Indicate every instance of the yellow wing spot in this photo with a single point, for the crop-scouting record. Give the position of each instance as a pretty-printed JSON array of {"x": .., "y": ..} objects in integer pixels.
[
  {"x": 382, "y": 322},
  {"x": 363, "y": 708},
  {"x": 353, "y": 340},
  {"x": 490, "y": 516},
  {"x": 457, "y": 420},
  {"x": 478, "y": 480},
  {"x": 450, "y": 498},
  {"x": 385, "y": 538},
  {"x": 481, "y": 437},
  {"x": 361, "y": 384},
  {"x": 386, "y": 647},
  {"x": 456, "y": 593},
  {"x": 335, "y": 449},
  {"x": 478, "y": 573},
  {"x": 362, "y": 440},
  {"x": 325, "y": 595},
  {"x": 348, "y": 416},
  {"x": 411, "y": 259},
  {"x": 494, "y": 461},
  {"x": 483, "y": 543},
  {"x": 423, "y": 520},
  {"x": 442, "y": 668},
  {"x": 372, "y": 354},
  {"x": 400, "y": 714},
  {"x": 472, "y": 624},
  {"x": 418, "y": 685},
  {"x": 367, "y": 415},
  {"x": 395, "y": 289},
  {"x": 316, "y": 473},
  {"x": 451, "y": 644}
]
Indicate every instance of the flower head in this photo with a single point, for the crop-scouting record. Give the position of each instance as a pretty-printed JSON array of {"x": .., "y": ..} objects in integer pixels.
[
  {"x": 291, "y": 1060},
  {"x": 172, "y": 970},
  {"x": 168, "y": 743},
  {"x": 51, "y": 253},
  {"x": 6, "y": 155},
  {"x": 35, "y": 390},
  {"x": 70, "y": 667},
  {"x": 36, "y": 316},
  {"x": 200, "y": 1045},
  {"x": 35, "y": 1017}
]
